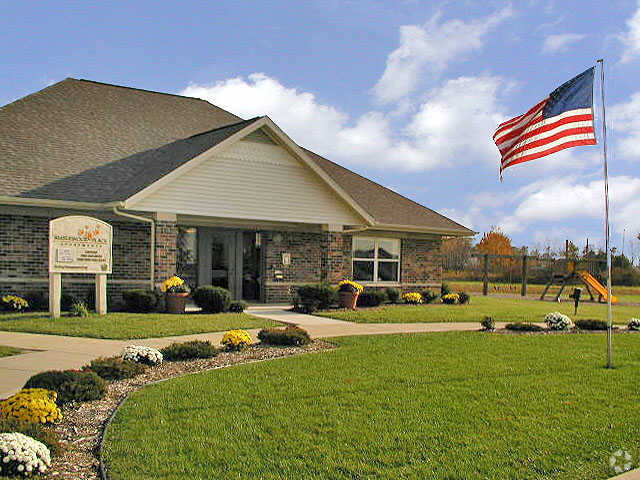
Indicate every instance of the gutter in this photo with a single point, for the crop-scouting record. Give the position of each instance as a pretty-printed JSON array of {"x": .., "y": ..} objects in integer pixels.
[
  {"x": 46, "y": 203},
  {"x": 417, "y": 229},
  {"x": 152, "y": 224}
]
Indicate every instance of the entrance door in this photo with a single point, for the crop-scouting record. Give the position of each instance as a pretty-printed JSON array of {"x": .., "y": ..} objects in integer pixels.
[
  {"x": 231, "y": 260},
  {"x": 251, "y": 266}
]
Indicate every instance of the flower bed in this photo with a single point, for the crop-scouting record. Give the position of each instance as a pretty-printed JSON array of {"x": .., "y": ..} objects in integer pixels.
[{"x": 83, "y": 424}]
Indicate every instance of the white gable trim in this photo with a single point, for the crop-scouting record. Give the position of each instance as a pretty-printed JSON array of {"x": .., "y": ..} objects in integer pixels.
[{"x": 280, "y": 138}]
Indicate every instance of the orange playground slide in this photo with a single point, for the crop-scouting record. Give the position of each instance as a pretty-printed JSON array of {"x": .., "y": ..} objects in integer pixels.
[{"x": 596, "y": 285}]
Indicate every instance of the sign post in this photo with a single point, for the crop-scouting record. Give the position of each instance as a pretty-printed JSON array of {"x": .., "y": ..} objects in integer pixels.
[{"x": 79, "y": 244}]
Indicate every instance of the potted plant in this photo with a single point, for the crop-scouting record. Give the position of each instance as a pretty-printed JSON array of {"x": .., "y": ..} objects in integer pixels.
[
  {"x": 349, "y": 292},
  {"x": 176, "y": 291}
]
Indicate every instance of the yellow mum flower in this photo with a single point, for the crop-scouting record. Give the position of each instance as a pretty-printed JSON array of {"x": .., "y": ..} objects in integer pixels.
[
  {"x": 236, "y": 339},
  {"x": 413, "y": 298}
]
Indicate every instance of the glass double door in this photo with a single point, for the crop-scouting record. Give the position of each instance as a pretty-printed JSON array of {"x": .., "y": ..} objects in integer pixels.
[{"x": 231, "y": 259}]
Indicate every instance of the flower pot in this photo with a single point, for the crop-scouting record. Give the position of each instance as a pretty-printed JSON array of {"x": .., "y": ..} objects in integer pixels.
[
  {"x": 176, "y": 302},
  {"x": 349, "y": 300}
]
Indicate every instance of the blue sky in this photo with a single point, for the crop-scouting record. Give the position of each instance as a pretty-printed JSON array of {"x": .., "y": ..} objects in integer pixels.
[{"x": 407, "y": 93}]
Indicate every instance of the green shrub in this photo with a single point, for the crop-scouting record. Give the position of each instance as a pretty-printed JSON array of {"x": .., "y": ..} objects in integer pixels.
[
  {"x": 79, "y": 309},
  {"x": 393, "y": 294},
  {"x": 372, "y": 298},
  {"x": 429, "y": 296},
  {"x": 591, "y": 324},
  {"x": 189, "y": 351},
  {"x": 309, "y": 298},
  {"x": 36, "y": 431},
  {"x": 139, "y": 300},
  {"x": 488, "y": 324},
  {"x": 524, "y": 327},
  {"x": 67, "y": 301},
  {"x": 238, "y": 306},
  {"x": 289, "y": 335},
  {"x": 38, "y": 301},
  {"x": 463, "y": 297},
  {"x": 445, "y": 289},
  {"x": 212, "y": 299},
  {"x": 70, "y": 385},
  {"x": 115, "y": 368}
]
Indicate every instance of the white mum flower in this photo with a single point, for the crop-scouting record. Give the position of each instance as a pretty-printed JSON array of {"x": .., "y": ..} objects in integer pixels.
[
  {"x": 141, "y": 354},
  {"x": 558, "y": 321},
  {"x": 21, "y": 453}
]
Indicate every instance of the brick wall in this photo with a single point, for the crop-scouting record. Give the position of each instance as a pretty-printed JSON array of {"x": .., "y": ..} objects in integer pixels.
[
  {"x": 24, "y": 257},
  {"x": 420, "y": 263},
  {"x": 306, "y": 262},
  {"x": 166, "y": 259},
  {"x": 336, "y": 257}
]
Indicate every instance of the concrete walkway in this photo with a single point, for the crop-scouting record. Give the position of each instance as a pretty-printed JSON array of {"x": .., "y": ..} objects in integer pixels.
[{"x": 56, "y": 352}]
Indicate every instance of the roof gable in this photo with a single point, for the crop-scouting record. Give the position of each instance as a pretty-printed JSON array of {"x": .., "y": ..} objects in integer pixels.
[{"x": 251, "y": 178}]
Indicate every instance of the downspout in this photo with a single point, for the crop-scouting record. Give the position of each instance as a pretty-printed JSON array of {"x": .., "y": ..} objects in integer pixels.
[{"x": 152, "y": 256}]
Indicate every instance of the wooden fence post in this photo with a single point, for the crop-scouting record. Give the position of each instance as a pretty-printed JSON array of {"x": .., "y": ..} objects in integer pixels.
[
  {"x": 485, "y": 276},
  {"x": 525, "y": 268}
]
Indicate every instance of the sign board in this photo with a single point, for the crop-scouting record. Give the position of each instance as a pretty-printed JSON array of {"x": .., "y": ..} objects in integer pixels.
[{"x": 79, "y": 244}]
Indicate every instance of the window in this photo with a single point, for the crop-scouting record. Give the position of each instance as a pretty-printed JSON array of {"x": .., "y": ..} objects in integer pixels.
[{"x": 376, "y": 259}]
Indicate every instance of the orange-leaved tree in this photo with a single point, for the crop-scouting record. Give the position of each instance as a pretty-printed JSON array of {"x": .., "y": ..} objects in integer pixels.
[{"x": 496, "y": 242}]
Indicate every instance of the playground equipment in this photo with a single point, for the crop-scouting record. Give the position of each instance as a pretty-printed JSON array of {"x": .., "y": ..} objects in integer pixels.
[
  {"x": 572, "y": 276},
  {"x": 590, "y": 280}
]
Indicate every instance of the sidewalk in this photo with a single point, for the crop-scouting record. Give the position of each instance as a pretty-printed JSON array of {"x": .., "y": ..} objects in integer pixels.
[{"x": 56, "y": 352}]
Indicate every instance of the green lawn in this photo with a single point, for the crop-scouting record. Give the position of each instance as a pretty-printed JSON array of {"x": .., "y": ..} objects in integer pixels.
[
  {"x": 452, "y": 405},
  {"x": 7, "y": 351},
  {"x": 500, "y": 308},
  {"x": 129, "y": 325}
]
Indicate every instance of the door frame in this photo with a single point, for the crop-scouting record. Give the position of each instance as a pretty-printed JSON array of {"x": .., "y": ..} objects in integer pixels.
[{"x": 234, "y": 243}]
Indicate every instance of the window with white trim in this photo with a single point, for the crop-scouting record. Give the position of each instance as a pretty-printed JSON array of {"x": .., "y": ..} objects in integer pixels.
[{"x": 376, "y": 260}]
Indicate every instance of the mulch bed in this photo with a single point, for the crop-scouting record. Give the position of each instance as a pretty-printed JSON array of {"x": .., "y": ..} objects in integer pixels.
[{"x": 83, "y": 424}]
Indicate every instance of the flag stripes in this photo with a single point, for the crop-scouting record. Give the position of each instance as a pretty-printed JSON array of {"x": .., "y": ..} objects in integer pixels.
[
  {"x": 532, "y": 136},
  {"x": 563, "y": 119}
]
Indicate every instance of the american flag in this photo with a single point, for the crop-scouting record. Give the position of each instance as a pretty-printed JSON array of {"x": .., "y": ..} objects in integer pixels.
[{"x": 564, "y": 119}]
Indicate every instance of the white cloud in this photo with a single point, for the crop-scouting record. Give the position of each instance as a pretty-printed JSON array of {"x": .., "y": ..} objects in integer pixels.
[
  {"x": 457, "y": 121},
  {"x": 431, "y": 47},
  {"x": 454, "y": 124},
  {"x": 560, "y": 42},
  {"x": 631, "y": 38},
  {"x": 562, "y": 199},
  {"x": 625, "y": 117},
  {"x": 297, "y": 113}
]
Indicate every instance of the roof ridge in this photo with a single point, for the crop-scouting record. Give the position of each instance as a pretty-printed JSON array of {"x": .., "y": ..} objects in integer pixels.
[
  {"x": 138, "y": 89},
  {"x": 386, "y": 188},
  {"x": 150, "y": 91}
]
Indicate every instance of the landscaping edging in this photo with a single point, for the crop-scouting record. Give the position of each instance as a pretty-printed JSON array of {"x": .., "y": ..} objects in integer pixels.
[{"x": 84, "y": 425}]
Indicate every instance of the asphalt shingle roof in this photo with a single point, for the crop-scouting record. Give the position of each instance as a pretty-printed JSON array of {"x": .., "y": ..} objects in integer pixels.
[{"x": 93, "y": 142}]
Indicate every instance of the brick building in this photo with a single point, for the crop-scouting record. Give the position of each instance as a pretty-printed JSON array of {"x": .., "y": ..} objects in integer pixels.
[{"x": 193, "y": 190}]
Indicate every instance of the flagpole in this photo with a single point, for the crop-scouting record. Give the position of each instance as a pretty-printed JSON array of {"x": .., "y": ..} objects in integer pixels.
[{"x": 606, "y": 214}]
